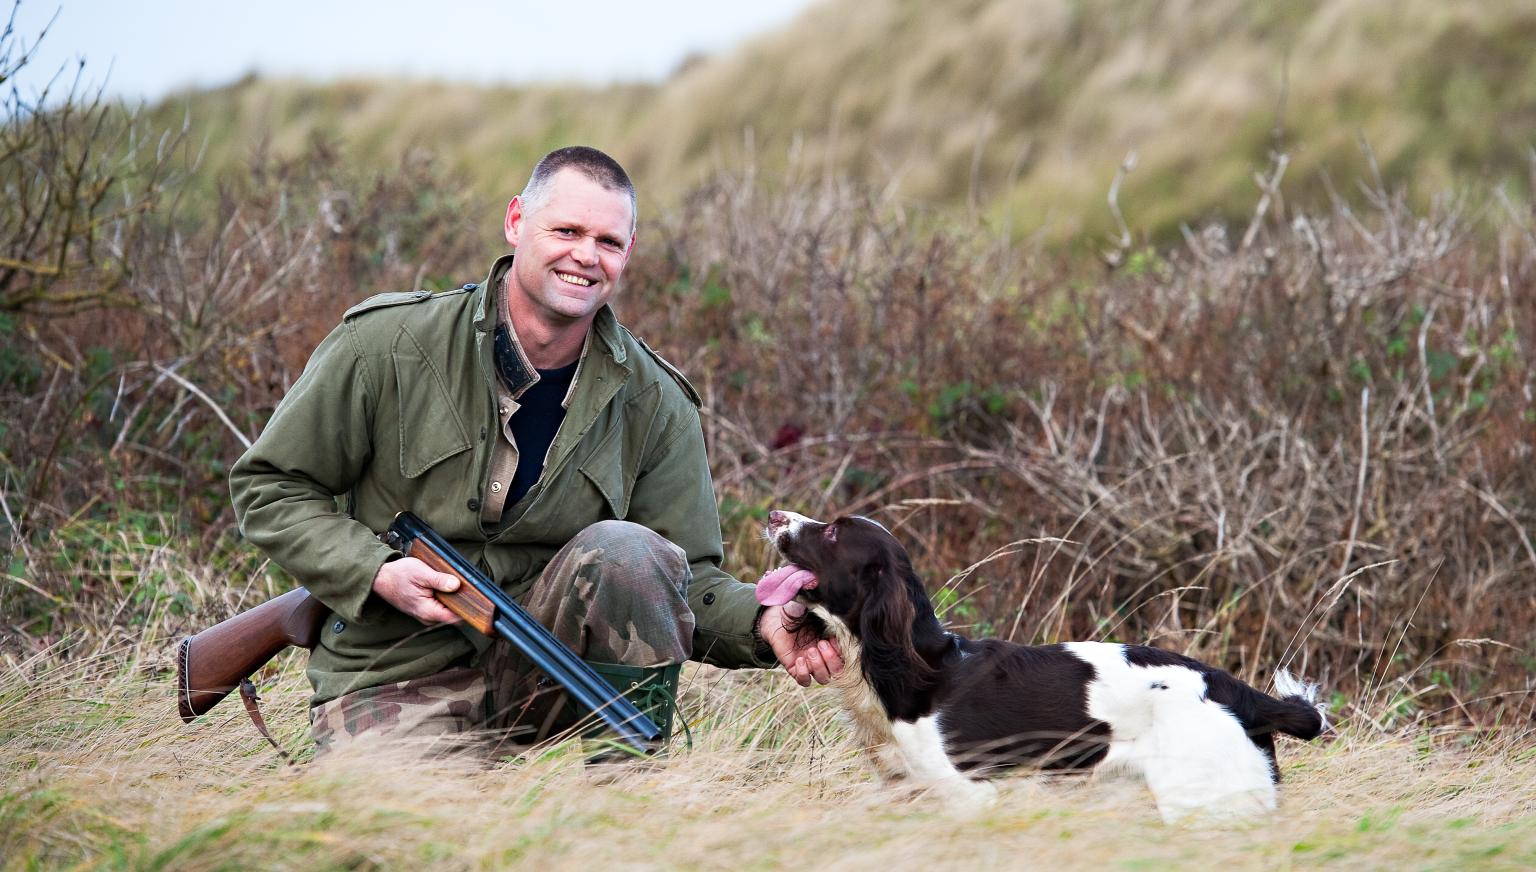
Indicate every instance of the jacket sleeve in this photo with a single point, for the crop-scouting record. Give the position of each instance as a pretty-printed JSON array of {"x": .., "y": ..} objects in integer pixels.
[
  {"x": 675, "y": 496},
  {"x": 285, "y": 486}
]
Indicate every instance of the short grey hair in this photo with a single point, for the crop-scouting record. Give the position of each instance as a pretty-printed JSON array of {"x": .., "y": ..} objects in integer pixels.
[{"x": 590, "y": 162}]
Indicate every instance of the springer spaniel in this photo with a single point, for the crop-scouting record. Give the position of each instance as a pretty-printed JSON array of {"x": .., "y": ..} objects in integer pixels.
[{"x": 932, "y": 706}]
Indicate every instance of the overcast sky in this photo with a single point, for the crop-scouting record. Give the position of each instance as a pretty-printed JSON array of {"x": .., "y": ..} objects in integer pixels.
[{"x": 147, "y": 49}]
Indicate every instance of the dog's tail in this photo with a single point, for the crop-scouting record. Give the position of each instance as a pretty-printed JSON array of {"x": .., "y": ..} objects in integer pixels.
[{"x": 1297, "y": 712}]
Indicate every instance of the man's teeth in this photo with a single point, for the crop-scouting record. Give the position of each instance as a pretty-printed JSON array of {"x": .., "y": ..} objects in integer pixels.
[{"x": 574, "y": 280}]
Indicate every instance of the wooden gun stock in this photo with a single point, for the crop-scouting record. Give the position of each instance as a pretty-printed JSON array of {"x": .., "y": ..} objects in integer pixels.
[{"x": 212, "y": 663}]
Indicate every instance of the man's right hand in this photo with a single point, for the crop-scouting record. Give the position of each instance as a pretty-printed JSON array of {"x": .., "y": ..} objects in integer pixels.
[
  {"x": 408, "y": 584},
  {"x": 803, "y": 656}
]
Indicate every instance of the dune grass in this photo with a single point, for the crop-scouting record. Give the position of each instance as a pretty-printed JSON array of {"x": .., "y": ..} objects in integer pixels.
[
  {"x": 1020, "y": 110},
  {"x": 99, "y": 773}
]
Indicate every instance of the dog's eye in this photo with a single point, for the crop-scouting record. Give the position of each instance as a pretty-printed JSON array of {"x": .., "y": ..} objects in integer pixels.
[{"x": 830, "y": 533}]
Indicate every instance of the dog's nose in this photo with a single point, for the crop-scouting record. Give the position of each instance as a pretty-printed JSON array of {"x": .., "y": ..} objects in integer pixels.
[{"x": 777, "y": 521}]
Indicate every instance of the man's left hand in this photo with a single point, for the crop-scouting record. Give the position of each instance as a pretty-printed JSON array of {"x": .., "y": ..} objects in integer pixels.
[{"x": 802, "y": 655}]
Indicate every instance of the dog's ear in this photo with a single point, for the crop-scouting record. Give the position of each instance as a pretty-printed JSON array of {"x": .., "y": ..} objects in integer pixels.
[
  {"x": 886, "y": 620},
  {"x": 886, "y": 614}
]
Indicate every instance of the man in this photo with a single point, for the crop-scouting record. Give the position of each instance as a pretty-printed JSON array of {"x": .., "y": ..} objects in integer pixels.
[{"x": 542, "y": 439}]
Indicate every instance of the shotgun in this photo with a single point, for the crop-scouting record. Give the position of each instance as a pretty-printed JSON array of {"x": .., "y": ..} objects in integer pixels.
[{"x": 219, "y": 659}]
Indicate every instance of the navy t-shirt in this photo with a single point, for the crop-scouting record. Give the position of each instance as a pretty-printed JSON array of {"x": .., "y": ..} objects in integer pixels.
[{"x": 535, "y": 423}]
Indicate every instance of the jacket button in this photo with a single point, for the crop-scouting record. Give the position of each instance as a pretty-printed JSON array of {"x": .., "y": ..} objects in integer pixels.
[
  {"x": 338, "y": 627},
  {"x": 474, "y": 504},
  {"x": 495, "y": 487},
  {"x": 709, "y": 599}
]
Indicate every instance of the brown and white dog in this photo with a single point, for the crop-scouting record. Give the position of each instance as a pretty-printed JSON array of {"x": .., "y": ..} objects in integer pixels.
[{"x": 937, "y": 708}]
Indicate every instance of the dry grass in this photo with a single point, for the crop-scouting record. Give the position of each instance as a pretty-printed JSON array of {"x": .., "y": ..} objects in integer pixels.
[{"x": 99, "y": 773}]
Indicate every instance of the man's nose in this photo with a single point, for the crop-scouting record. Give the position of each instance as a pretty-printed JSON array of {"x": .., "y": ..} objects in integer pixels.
[{"x": 584, "y": 251}]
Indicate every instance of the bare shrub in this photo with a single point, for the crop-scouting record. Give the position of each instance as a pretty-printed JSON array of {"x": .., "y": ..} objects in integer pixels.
[
  {"x": 150, "y": 319},
  {"x": 1305, "y": 451},
  {"x": 81, "y": 178}
]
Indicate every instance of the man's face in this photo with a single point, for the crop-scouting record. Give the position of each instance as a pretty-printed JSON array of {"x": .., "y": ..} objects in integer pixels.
[{"x": 570, "y": 250}]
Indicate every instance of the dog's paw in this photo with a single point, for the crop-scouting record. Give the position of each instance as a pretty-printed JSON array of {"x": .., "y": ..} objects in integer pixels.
[{"x": 964, "y": 796}]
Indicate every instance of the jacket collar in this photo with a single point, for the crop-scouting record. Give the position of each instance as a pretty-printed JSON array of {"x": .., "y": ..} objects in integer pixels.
[{"x": 605, "y": 326}]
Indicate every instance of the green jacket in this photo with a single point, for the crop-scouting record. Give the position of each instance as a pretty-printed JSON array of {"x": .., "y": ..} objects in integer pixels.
[{"x": 396, "y": 410}]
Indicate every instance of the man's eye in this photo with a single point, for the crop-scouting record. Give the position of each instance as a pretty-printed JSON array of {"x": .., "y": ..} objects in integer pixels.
[{"x": 565, "y": 231}]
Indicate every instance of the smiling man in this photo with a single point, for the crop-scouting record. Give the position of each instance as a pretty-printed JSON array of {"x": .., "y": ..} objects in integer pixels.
[{"x": 548, "y": 444}]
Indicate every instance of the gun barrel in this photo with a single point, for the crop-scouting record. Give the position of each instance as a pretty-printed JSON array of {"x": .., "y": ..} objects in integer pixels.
[{"x": 513, "y": 623}]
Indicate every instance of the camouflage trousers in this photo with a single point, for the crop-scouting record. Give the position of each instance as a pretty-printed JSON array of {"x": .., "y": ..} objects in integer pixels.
[{"x": 616, "y": 593}]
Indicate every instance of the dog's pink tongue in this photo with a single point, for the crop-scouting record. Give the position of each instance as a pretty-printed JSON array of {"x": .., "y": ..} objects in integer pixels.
[{"x": 780, "y": 586}]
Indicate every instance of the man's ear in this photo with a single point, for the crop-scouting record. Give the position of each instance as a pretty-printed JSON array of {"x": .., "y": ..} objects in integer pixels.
[
  {"x": 513, "y": 226},
  {"x": 628, "y": 250}
]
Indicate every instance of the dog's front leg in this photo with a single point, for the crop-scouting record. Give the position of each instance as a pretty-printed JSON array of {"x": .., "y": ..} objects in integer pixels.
[{"x": 890, "y": 764}]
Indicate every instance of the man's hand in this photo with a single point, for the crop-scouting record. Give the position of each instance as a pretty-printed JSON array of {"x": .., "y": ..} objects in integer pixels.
[
  {"x": 802, "y": 655},
  {"x": 408, "y": 584}
]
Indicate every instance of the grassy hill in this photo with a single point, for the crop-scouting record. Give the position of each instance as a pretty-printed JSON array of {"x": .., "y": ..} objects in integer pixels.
[{"x": 1020, "y": 109}]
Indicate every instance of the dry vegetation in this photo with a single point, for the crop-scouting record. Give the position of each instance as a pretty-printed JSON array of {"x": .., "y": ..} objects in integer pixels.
[{"x": 1302, "y": 439}]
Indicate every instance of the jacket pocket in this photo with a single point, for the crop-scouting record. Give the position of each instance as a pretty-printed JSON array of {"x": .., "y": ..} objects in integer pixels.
[
  {"x": 604, "y": 467},
  {"x": 431, "y": 425},
  {"x": 614, "y": 465}
]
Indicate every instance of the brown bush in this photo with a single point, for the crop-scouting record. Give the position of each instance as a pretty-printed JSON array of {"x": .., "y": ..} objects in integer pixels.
[{"x": 1311, "y": 450}]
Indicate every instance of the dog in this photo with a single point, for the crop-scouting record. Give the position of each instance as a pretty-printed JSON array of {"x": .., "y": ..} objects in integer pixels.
[{"x": 936, "y": 708}]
